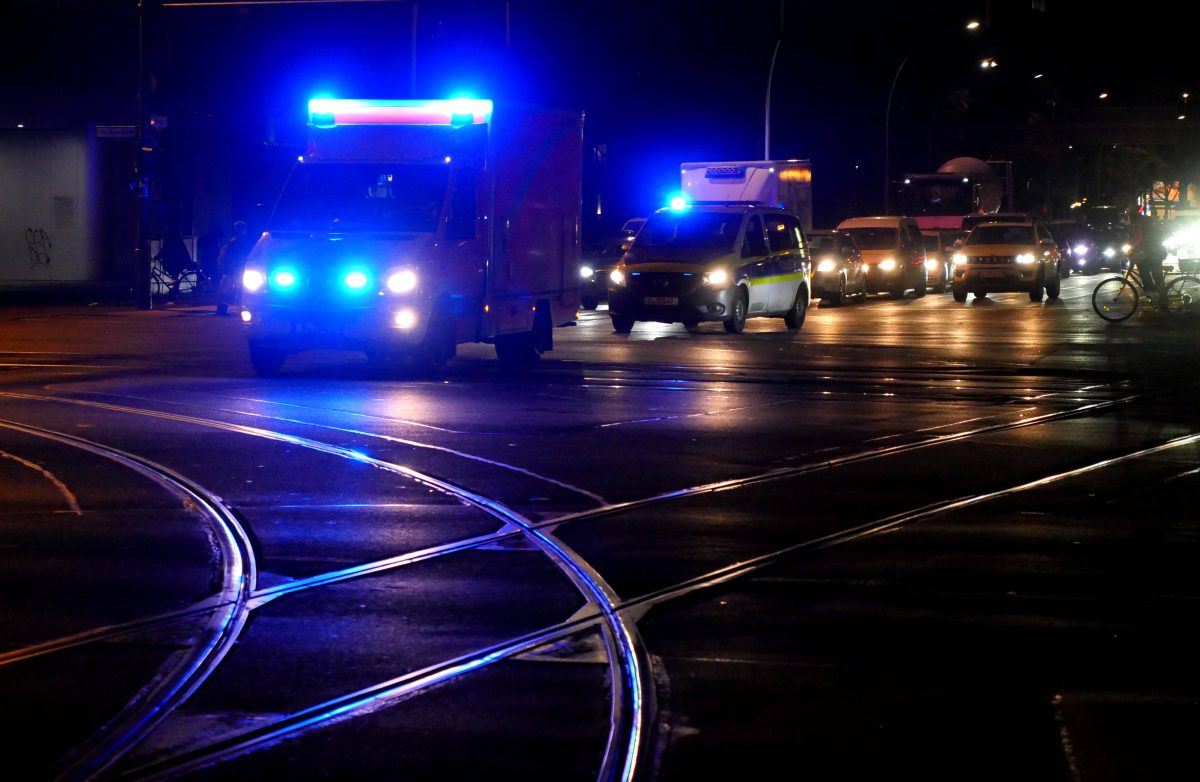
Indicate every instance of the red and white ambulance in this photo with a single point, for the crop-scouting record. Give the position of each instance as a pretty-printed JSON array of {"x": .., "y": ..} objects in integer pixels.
[{"x": 412, "y": 226}]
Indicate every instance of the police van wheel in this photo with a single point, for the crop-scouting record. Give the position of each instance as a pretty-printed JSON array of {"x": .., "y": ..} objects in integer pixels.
[
  {"x": 794, "y": 319},
  {"x": 518, "y": 351},
  {"x": 266, "y": 361},
  {"x": 736, "y": 322},
  {"x": 622, "y": 324}
]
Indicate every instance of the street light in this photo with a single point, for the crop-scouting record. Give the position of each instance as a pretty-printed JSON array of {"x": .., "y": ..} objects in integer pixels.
[{"x": 887, "y": 140}]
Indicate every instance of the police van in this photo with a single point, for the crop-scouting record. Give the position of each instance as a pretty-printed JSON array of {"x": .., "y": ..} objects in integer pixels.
[{"x": 713, "y": 261}]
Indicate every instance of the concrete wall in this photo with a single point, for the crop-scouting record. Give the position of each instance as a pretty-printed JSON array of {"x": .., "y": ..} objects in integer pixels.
[{"x": 49, "y": 189}]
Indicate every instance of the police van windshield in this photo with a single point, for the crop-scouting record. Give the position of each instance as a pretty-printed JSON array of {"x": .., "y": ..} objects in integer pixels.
[
  {"x": 362, "y": 196},
  {"x": 874, "y": 238},
  {"x": 703, "y": 232}
]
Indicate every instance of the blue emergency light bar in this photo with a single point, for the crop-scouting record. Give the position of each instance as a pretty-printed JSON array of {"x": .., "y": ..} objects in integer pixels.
[{"x": 331, "y": 112}]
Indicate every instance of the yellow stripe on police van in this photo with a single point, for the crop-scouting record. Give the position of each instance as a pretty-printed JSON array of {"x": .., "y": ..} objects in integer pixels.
[{"x": 778, "y": 278}]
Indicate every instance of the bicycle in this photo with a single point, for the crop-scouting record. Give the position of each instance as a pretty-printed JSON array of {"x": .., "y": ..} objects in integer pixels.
[{"x": 1116, "y": 298}]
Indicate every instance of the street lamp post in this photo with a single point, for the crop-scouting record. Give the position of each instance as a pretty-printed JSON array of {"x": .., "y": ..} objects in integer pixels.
[
  {"x": 887, "y": 139},
  {"x": 767, "y": 119}
]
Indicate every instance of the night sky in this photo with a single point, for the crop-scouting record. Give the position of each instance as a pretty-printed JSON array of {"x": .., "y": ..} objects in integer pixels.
[{"x": 660, "y": 82}]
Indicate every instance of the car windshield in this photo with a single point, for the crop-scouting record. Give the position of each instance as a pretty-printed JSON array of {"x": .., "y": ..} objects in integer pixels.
[
  {"x": 874, "y": 238},
  {"x": 362, "y": 196},
  {"x": 1001, "y": 234},
  {"x": 832, "y": 245},
  {"x": 690, "y": 231},
  {"x": 931, "y": 243}
]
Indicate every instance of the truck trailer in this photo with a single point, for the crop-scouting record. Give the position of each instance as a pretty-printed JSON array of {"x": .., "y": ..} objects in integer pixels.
[
  {"x": 782, "y": 183},
  {"x": 412, "y": 226}
]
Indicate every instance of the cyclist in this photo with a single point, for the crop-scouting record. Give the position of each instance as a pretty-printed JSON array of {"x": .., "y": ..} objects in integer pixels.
[{"x": 1149, "y": 253}]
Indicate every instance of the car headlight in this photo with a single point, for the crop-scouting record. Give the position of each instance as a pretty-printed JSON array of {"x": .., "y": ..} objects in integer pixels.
[
  {"x": 1109, "y": 252},
  {"x": 253, "y": 279},
  {"x": 1025, "y": 258},
  {"x": 1081, "y": 249},
  {"x": 887, "y": 264},
  {"x": 1126, "y": 248},
  {"x": 959, "y": 259},
  {"x": 402, "y": 281},
  {"x": 931, "y": 264},
  {"x": 284, "y": 278},
  {"x": 716, "y": 277},
  {"x": 586, "y": 271},
  {"x": 355, "y": 280},
  {"x": 617, "y": 277},
  {"x": 826, "y": 265}
]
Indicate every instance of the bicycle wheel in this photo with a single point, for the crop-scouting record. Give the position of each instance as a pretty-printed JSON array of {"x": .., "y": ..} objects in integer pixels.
[
  {"x": 1182, "y": 295},
  {"x": 1115, "y": 299}
]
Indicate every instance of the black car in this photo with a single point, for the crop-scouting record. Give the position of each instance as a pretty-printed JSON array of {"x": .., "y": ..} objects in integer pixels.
[
  {"x": 1101, "y": 247},
  {"x": 595, "y": 268},
  {"x": 838, "y": 267}
]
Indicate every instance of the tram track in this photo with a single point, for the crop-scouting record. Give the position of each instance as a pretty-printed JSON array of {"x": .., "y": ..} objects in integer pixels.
[
  {"x": 624, "y": 649},
  {"x": 226, "y": 617},
  {"x": 388, "y": 693}
]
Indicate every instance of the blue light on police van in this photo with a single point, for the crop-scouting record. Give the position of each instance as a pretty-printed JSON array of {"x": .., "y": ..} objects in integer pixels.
[
  {"x": 678, "y": 202},
  {"x": 284, "y": 278},
  {"x": 355, "y": 280}
]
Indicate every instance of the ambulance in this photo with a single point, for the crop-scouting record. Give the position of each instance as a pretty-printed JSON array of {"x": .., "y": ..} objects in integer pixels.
[{"x": 412, "y": 226}]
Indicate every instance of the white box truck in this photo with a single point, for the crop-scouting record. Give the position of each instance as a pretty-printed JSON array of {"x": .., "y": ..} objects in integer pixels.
[{"x": 784, "y": 183}]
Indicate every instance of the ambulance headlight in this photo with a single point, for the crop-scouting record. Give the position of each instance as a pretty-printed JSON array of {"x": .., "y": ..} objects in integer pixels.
[
  {"x": 586, "y": 271},
  {"x": 404, "y": 319},
  {"x": 617, "y": 277},
  {"x": 253, "y": 279},
  {"x": 887, "y": 264},
  {"x": 402, "y": 281},
  {"x": 827, "y": 265},
  {"x": 716, "y": 277}
]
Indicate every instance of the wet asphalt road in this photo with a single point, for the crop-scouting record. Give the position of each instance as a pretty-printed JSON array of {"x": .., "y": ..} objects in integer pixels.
[{"x": 915, "y": 538}]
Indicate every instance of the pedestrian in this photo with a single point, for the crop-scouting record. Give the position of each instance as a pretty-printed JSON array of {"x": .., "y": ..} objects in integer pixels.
[
  {"x": 230, "y": 262},
  {"x": 1149, "y": 252}
]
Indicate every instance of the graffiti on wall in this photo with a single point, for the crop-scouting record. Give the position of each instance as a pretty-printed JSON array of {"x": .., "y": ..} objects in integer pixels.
[{"x": 39, "y": 244}]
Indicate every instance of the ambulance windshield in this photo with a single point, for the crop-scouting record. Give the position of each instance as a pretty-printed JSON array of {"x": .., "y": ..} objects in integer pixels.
[{"x": 362, "y": 197}]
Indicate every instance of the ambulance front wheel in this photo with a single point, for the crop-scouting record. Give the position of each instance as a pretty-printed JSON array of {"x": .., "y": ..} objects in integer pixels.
[
  {"x": 266, "y": 361},
  {"x": 518, "y": 351}
]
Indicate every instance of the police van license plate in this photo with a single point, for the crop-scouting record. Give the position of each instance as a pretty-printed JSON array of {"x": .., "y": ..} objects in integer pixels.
[{"x": 661, "y": 301}]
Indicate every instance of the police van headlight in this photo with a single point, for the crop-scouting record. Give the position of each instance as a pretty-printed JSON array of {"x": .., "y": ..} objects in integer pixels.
[
  {"x": 716, "y": 277},
  {"x": 827, "y": 265},
  {"x": 253, "y": 279},
  {"x": 586, "y": 271},
  {"x": 887, "y": 264},
  {"x": 402, "y": 281}
]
